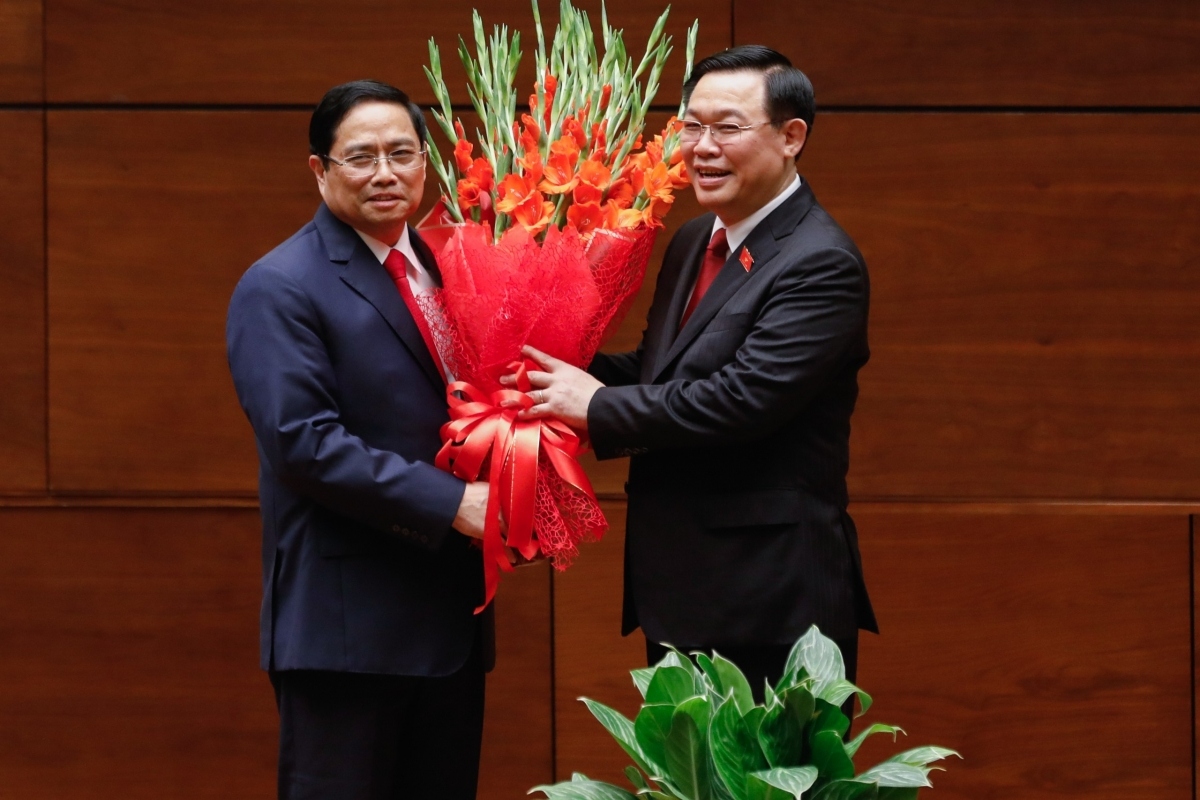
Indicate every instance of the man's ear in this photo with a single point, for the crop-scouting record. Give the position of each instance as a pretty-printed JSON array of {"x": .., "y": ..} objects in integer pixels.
[
  {"x": 318, "y": 167},
  {"x": 795, "y": 134}
]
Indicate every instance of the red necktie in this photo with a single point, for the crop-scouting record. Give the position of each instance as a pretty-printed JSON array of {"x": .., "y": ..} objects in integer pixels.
[
  {"x": 397, "y": 265},
  {"x": 714, "y": 259}
]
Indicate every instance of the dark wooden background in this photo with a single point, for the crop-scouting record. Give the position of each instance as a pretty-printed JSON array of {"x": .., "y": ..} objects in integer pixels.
[{"x": 1024, "y": 179}]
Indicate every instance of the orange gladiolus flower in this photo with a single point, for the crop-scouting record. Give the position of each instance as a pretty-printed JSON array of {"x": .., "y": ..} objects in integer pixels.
[
  {"x": 462, "y": 154},
  {"x": 594, "y": 173},
  {"x": 586, "y": 217},
  {"x": 534, "y": 214},
  {"x": 468, "y": 194},
  {"x": 560, "y": 177},
  {"x": 605, "y": 96},
  {"x": 622, "y": 192},
  {"x": 586, "y": 193},
  {"x": 513, "y": 190},
  {"x": 629, "y": 218},
  {"x": 679, "y": 176},
  {"x": 480, "y": 172},
  {"x": 572, "y": 128},
  {"x": 551, "y": 83}
]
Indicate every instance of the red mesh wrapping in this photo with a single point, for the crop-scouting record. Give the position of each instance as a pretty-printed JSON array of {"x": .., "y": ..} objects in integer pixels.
[{"x": 564, "y": 296}]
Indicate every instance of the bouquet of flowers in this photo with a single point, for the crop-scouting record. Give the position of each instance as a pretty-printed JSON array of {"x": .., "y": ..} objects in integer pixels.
[{"x": 543, "y": 240}]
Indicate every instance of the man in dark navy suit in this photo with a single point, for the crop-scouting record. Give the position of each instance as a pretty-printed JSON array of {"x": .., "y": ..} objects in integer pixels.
[
  {"x": 370, "y": 577},
  {"x": 736, "y": 405}
]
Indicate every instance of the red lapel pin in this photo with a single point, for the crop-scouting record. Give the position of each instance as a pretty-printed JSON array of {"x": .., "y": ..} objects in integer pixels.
[{"x": 746, "y": 259}]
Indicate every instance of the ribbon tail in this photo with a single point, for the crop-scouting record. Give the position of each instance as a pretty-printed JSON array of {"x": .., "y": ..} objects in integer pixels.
[{"x": 521, "y": 483}]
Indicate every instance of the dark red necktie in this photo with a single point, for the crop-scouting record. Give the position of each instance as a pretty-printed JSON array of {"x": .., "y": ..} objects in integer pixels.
[
  {"x": 714, "y": 259},
  {"x": 397, "y": 266}
]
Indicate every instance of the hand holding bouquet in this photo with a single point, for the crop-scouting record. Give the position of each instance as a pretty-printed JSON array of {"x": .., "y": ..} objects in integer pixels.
[{"x": 543, "y": 239}]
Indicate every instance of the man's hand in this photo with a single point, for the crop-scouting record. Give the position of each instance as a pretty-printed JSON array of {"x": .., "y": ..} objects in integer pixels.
[
  {"x": 471, "y": 511},
  {"x": 560, "y": 390}
]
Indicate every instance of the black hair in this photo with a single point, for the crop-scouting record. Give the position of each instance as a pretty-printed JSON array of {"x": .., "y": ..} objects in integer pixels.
[
  {"x": 338, "y": 102},
  {"x": 789, "y": 91}
]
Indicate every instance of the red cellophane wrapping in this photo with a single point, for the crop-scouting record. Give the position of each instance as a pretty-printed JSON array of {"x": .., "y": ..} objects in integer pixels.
[{"x": 563, "y": 296}]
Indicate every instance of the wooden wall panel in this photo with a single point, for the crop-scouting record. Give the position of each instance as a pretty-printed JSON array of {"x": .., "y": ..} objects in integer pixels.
[
  {"x": 591, "y": 658},
  {"x": 130, "y": 660},
  {"x": 1051, "y": 651},
  {"x": 145, "y": 248},
  {"x": 289, "y": 52},
  {"x": 130, "y": 656},
  {"x": 518, "y": 732},
  {"x": 21, "y": 51},
  {"x": 1035, "y": 286},
  {"x": 22, "y": 303},
  {"x": 1029, "y": 52}
]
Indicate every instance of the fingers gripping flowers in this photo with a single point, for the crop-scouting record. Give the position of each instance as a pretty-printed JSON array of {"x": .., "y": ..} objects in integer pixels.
[{"x": 554, "y": 166}]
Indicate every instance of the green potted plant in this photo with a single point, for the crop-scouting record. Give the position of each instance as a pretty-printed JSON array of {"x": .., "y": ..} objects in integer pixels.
[{"x": 700, "y": 736}]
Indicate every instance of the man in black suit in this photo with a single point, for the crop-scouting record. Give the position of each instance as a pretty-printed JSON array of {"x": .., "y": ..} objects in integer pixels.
[
  {"x": 736, "y": 405},
  {"x": 370, "y": 578}
]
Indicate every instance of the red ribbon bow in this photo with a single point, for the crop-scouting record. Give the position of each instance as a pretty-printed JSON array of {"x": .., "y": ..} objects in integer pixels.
[{"x": 483, "y": 432}]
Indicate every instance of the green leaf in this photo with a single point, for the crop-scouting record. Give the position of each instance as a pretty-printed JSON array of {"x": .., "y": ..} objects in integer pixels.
[
  {"x": 733, "y": 680},
  {"x": 788, "y": 783},
  {"x": 642, "y": 677},
  {"x": 897, "y": 793},
  {"x": 829, "y": 718},
  {"x": 848, "y": 789},
  {"x": 735, "y": 749},
  {"x": 754, "y": 718},
  {"x": 671, "y": 685},
  {"x": 895, "y": 773},
  {"x": 817, "y": 655},
  {"x": 580, "y": 788},
  {"x": 878, "y": 727},
  {"x": 782, "y": 731},
  {"x": 651, "y": 727},
  {"x": 923, "y": 756},
  {"x": 829, "y": 756},
  {"x": 636, "y": 777},
  {"x": 621, "y": 729},
  {"x": 686, "y": 752},
  {"x": 839, "y": 692}
]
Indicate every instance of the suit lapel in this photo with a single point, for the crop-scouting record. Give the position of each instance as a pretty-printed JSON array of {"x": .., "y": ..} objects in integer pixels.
[
  {"x": 763, "y": 244},
  {"x": 680, "y": 275},
  {"x": 363, "y": 273}
]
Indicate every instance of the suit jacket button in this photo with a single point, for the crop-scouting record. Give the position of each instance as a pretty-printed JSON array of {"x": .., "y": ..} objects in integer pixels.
[{"x": 396, "y": 529}]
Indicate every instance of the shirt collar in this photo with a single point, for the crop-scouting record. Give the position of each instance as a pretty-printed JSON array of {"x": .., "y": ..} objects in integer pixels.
[
  {"x": 403, "y": 244},
  {"x": 736, "y": 234}
]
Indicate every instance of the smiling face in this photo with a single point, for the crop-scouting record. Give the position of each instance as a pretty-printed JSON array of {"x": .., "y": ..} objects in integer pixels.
[
  {"x": 378, "y": 205},
  {"x": 735, "y": 179}
]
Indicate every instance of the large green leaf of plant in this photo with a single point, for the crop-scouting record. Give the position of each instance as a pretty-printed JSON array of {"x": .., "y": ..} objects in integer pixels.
[
  {"x": 581, "y": 787},
  {"x": 651, "y": 727},
  {"x": 642, "y": 677},
  {"x": 857, "y": 742},
  {"x": 848, "y": 789},
  {"x": 895, "y": 773},
  {"x": 735, "y": 749},
  {"x": 725, "y": 678},
  {"x": 686, "y": 753},
  {"x": 671, "y": 685},
  {"x": 829, "y": 756},
  {"x": 839, "y": 692},
  {"x": 621, "y": 729},
  {"x": 781, "y": 733},
  {"x": 829, "y": 718},
  {"x": 922, "y": 756},
  {"x": 785, "y": 783},
  {"x": 898, "y": 793},
  {"x": 819, "y": 657}
]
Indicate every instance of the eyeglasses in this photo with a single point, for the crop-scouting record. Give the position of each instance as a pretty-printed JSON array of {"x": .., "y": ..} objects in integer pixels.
[
  {"x": 691, "y": 131},
  {"x": 364, "y": 166}
]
